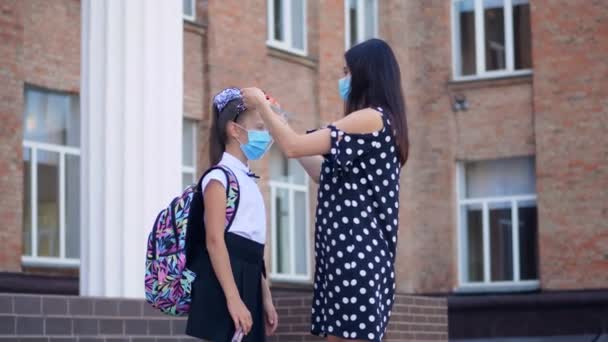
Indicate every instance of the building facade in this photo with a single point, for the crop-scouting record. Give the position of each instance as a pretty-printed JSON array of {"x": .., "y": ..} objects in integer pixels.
[{"x": 504, "y": 200}]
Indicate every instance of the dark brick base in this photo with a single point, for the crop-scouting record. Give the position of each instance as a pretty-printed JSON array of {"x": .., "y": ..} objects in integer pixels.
[
  {"x": 52, "y": 318},
  {"x": 532, "y": 314}
]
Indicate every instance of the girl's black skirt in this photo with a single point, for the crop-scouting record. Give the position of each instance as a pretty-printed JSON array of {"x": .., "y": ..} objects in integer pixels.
[{"x": 209, "y": 318}]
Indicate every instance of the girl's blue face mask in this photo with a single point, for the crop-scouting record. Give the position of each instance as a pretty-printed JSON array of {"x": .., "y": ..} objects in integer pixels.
[
  {"x": 344, "y": 87},
  {"x": 258, "y": 143}
]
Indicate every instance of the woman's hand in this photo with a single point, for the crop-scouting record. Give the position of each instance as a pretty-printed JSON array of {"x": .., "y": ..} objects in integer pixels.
[
  {"x": 240, "y": 315},
  {"x": 271, "y": 318},
  {"x": 254, "y": 98}
]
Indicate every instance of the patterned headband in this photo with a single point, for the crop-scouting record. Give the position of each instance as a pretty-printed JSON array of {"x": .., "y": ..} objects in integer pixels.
[{"x": 225, "y": 96}]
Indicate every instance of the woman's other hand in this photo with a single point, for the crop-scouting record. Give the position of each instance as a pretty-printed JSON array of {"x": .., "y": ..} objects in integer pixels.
[{"x": 254, "y": 97}]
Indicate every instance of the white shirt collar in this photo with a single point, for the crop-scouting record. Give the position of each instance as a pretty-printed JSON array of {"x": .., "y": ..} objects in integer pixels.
[{"x": 234, "y": 163}]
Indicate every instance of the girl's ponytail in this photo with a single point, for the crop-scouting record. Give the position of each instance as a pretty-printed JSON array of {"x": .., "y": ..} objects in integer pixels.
[
  {"x": 217, "y": 137},
  {"x": 226, "y": 107}
]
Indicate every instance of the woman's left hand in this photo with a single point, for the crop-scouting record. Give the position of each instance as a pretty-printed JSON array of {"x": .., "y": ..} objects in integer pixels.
[
  {"x": 253, "y": 97},
  {"x": 271, "y": 318}
]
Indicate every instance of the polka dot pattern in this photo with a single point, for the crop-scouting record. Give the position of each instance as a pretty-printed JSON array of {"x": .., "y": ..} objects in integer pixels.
[{"x": 356, "y": 235}]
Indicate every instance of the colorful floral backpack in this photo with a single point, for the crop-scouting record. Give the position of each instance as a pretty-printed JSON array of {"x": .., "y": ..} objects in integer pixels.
[{"x": 168, "y": 278}]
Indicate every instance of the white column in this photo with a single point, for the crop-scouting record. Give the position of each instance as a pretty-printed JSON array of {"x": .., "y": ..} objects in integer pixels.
[{"x": 131, "y": 105}]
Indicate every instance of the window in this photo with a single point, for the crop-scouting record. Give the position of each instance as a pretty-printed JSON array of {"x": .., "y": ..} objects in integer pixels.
[
  {"x": 361, "y": 21},
  {"x": 491, "y": 38},
  {"x": 189, "y": 9},
  {"x": 290, "y": 219},
  {"x": 51, "y": 178},
  {"x": 189, "y": 150},
  {"x": 497, "y": 224},
  {"x": 287, "y": 25}
]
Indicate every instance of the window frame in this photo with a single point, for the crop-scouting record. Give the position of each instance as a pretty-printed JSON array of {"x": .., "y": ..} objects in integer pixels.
[
  {"x": 34, "y": 147},
  {"x": 360, "y": 18},
  {"x": 191, "y": 169},
  {"x": 286, "y": 45},
  {"x": 487, "y": 285},
  {"x": 193, "y": 9},
  {"x": 480, "y": 60},
  {"x": 291, "y": 190}
]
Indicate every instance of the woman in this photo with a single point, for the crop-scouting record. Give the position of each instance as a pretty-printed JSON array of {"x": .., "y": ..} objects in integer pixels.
[{"x": 358, "y": 199}]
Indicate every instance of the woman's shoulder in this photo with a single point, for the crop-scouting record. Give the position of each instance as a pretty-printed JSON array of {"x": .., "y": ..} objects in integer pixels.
[{"x": 363, "y": 121}]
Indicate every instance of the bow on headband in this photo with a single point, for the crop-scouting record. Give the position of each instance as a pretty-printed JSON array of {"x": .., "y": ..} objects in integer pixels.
[{"x": 225, "y": 96}]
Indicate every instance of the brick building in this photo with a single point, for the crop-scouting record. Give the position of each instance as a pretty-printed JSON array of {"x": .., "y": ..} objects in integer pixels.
[{"x": 504, "y": 201}]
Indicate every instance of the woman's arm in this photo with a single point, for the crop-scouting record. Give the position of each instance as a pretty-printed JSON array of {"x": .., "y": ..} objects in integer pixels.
[
  {"x": 215, "y": 215},
  {"x": 295, "y": 145},
  {"x": 312, "y": 165}
]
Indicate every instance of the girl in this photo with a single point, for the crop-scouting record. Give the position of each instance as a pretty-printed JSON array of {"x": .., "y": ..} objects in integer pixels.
[
  {"x": 358, "y": 199},
  {"x": 231, "y": 293}
]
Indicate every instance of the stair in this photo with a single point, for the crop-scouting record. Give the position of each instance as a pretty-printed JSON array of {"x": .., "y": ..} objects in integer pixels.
[{"x": 52, "y": 318}]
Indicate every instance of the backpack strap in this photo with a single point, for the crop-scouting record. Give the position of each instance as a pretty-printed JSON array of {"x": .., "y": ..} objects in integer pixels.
[{"x": 232, "y": 192}]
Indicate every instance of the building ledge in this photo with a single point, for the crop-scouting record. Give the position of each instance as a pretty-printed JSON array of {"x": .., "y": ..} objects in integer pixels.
[
  {"x": 38, "y": 283},
  {"x": 195, "y": 27},
  {"x": 501, "y": 81},
  {"x": 292, "y": 58},
  {"x": 529, "y": 300}
]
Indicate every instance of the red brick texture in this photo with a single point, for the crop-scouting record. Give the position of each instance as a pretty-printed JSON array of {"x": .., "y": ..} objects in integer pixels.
[
  {"x": 11, "y": 107},
  {"x": 570, "y": 52},
  {"x": 427, "y": 231},
  {"x": 194, "y": 64},
  {"x": 413, "y": 319},
  {"x": 40, "y": 47}
]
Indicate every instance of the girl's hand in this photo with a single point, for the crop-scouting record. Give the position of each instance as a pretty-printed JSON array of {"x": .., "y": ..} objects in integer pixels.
[
  {"x": 254, "y": 98},
  {"x": 271, "y": 318},
  {"x": 240, "y": 315}
]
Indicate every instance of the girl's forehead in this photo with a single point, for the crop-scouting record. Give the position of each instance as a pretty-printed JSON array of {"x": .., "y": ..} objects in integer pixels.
[
  {"x": 252, "y": 117},
  {"x": 255, "y": 115}
]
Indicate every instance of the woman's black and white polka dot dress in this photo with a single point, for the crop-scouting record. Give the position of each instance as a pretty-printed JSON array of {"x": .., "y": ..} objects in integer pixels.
[{"x": 356, "y": 235}]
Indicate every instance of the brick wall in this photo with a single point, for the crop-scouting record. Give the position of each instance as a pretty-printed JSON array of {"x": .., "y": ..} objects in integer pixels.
[
  {"x": 58, "y": 318},
  {"x": 570, "y": 52},
  {"x": 426, "y": 247},
  {"x": 51, "y": 46},
  {"x": 498, "y": 124},
  {"x": 11, "y": 102},
  {"x": 40, "y": 47}
]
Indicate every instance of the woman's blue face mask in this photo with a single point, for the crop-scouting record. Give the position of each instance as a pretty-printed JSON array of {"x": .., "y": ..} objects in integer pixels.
[
  {"x": 258, "y": 142},
  {"x": 344, "y": 87}
]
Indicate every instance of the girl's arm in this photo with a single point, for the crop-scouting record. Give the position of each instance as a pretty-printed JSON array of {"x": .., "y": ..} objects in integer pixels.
[
  {"x": 312, "y": 165},
  {"x": 215, "y": 215},
  {"x": 295, "y": 145},
  {"x": 272, "y": 319}
]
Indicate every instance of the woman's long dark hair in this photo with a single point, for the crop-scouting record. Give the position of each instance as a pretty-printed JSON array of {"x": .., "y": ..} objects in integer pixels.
[
  {"x": 376, "y": 82},
  {"x": 217, "y": 134}
]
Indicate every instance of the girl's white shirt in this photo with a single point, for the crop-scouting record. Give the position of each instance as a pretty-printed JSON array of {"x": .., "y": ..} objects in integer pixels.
[{"x": 250, "y": 219}]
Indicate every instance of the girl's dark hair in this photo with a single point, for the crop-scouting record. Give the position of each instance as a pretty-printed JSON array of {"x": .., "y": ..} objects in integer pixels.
[
  {"x": 217, "y": 136},
  {"x": 376, "y": 82}
]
